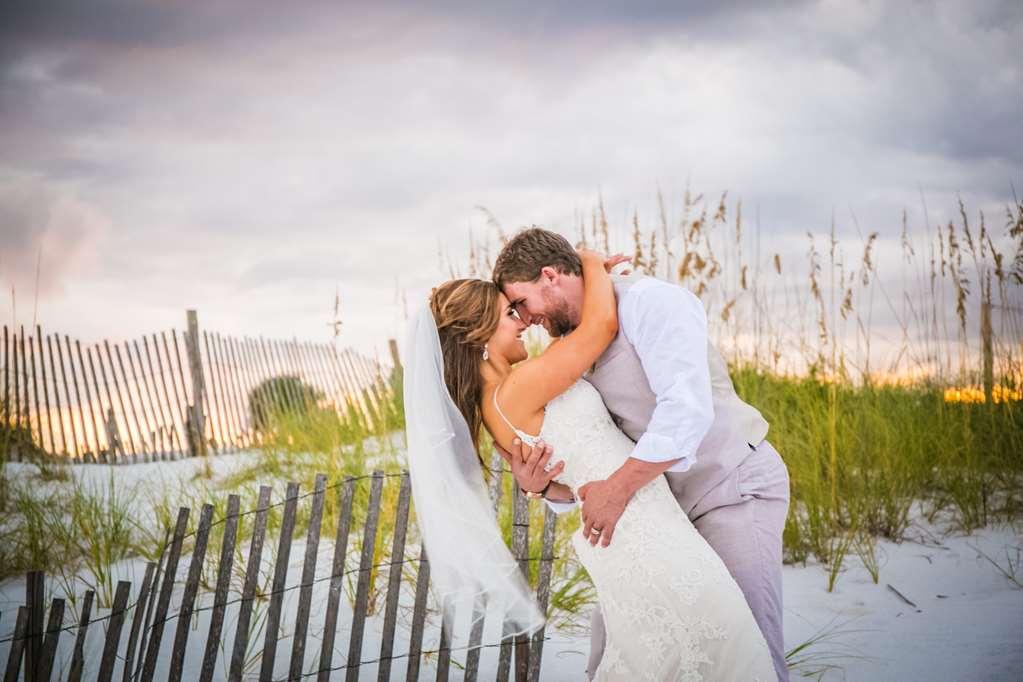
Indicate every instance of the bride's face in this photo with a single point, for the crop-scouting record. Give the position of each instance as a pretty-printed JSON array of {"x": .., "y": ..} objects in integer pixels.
[{"x": 507, "y": 339}]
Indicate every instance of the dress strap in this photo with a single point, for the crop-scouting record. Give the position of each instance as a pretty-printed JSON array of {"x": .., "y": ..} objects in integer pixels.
[{"x": 526, "y": 438}]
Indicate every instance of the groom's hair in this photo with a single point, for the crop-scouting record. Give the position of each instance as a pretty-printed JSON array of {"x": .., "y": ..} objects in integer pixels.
[{"x": 530, "y": 251}]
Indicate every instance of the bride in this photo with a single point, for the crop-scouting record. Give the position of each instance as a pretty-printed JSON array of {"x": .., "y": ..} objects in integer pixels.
[{"x": 671, "y": 609}]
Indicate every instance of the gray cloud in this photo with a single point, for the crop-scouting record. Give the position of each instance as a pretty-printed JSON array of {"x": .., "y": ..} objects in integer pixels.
[
  {"x": 281, "y": 150},
  {"x": 48, "y": 235}
]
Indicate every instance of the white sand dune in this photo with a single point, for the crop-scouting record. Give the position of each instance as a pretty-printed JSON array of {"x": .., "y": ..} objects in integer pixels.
[{"x": 967, "y": 623}]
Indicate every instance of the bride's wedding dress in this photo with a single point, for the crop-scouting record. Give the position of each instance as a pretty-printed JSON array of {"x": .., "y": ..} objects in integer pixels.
[{"x": 671, "y": 609}]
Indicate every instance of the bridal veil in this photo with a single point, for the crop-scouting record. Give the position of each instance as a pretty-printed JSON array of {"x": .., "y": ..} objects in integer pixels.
[{"x": 468, "y": 557}]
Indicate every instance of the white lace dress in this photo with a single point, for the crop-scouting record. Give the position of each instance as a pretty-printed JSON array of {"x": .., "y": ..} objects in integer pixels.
[{"x": 671, "y": 609}]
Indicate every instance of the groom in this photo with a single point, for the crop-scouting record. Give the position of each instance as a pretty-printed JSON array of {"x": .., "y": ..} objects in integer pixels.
[{"x": 668, "y": 389}]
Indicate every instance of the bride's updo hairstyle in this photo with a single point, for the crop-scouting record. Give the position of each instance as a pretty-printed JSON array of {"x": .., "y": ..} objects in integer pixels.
[{"x": 467, "y": 312}]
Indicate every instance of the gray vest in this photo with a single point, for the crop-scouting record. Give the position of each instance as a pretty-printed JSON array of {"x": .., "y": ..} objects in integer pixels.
[{"x": 619, "y": 377}]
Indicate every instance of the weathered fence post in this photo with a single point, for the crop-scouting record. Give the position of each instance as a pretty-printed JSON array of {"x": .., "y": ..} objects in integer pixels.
[
  {"x": 35, "y": 393},
  {"x": 394, "y": 578},
  {"x": 88, "y": 400},
  {"x": 17, "y": 397},
  {"x": 46, "y": 390},
  {"x": 113, "y": 438},
  {"x": 305, "y": 597},
  {"x": 273, "y": 618},
  {"x": 196, "y": 420},
  {"x": 520, "y": 548},
  {"x": 78, "y": 402},
  {"x": 13, "y": 668},
  {"x": 395, "y": 357},
  {"x": 362, "y": 587},
  {"x": 56, "y": 394},
  {"x": 54, "y": 626},
  {"x": 337, "y": 574},
  {"x": 447, "y": 624},
  {"x": 24, "y": 417},
  {"x": 202, "y": 535},
  {"x": 418, "y": 617},
  {"x": 241, "y": 637},
  {"x": 543, "y": 590},
  {"x": 7, "y": 379},
  {"x": 138, "y": 614},
  {"x": 163, "y": 602},
  {"x": 101, "y": 455},
  {"x": 223, "y": 583},
  {"x": 34, "y": 591},
  {"x": 472, "y": 656},
  {"x": 113, "y": 638},
  {"x": 78, "y": 657}
]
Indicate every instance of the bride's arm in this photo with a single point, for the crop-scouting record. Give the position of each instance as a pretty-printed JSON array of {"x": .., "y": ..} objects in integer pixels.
[{"x": 536, "y": 382}]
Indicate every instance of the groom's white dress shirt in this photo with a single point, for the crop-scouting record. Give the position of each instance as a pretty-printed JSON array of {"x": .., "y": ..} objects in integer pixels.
[{"x": 667, "y": 326}]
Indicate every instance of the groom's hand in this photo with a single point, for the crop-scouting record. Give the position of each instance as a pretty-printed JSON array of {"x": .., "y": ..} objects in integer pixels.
[
  {"x": 603, "y": 504},
  {"x": 604, "y": 501},
  {"x": 529, "y": 465}
]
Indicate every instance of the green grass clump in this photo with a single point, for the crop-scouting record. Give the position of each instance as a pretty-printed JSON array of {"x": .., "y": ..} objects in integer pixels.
[
  {"x": 859, "y": 458},
  {"x": 78, "y": 531}
]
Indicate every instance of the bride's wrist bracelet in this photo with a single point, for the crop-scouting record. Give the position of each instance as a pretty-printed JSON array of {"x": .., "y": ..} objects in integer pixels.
[{"x": 534, "y": 496}]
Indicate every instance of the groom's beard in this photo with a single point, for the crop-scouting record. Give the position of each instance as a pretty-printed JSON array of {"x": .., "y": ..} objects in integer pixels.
[{"x": 560, "y": 319}]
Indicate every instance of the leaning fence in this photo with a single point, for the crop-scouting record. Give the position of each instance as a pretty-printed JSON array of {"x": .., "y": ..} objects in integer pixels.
[
  {"x": 173, "y": 393},
  {"x": 235, "y": 613}
]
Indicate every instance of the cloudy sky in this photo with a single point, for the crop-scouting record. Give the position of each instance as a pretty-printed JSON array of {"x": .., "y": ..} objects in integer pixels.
[{"x": 249, "y": 159}]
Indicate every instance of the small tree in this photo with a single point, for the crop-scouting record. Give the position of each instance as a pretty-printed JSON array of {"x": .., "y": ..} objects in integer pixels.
[{"x": 280, "y": 396}]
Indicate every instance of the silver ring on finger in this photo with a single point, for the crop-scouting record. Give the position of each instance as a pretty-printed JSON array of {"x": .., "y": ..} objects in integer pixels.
[
  {"x": 547, "y": 467},
  {"x": 595, "y": 531}
]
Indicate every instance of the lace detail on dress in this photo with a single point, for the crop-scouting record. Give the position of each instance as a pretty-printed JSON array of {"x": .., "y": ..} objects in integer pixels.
[{"x": 671, "y": 609}]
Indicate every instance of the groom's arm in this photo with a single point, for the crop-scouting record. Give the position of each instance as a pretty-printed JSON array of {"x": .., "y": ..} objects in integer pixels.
[{"x": 667, "y": 326}]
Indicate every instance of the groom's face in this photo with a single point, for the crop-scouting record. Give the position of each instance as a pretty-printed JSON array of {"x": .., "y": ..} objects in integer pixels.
[{"x": 547, "y": 301}]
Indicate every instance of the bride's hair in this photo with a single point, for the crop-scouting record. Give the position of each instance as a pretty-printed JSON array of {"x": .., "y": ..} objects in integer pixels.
[{"x": 467, "y": 312}]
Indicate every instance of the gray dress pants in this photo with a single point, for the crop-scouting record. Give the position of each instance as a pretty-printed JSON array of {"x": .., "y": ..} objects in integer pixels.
[{"x": 742, "y": 518}]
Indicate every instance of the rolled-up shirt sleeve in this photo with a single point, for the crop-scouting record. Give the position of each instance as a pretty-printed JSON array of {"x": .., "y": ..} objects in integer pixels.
[
  {"x": 560, "y": 507},
  {"x": 667, "y": 326}
]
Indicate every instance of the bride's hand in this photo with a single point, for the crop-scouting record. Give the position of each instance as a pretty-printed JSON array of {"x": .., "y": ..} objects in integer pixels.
[
  {"x": 531, "y": 465},
  {"x": 616, "y": 260},
  {"x": 609, "y": 262}
]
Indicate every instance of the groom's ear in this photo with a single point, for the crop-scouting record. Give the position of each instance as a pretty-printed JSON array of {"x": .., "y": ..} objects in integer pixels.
[{"x": 549, "y": 274}]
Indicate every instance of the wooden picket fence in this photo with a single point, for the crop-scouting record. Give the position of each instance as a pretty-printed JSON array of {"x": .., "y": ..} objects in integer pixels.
[
  {"x": 158, "y": 398},
  {"x": 143, "y": 653}
]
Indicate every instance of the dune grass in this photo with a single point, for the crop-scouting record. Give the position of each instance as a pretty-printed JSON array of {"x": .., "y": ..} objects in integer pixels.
[
  {"x": 860, "y": 458},
  {"x": 76, "y": 531}
]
